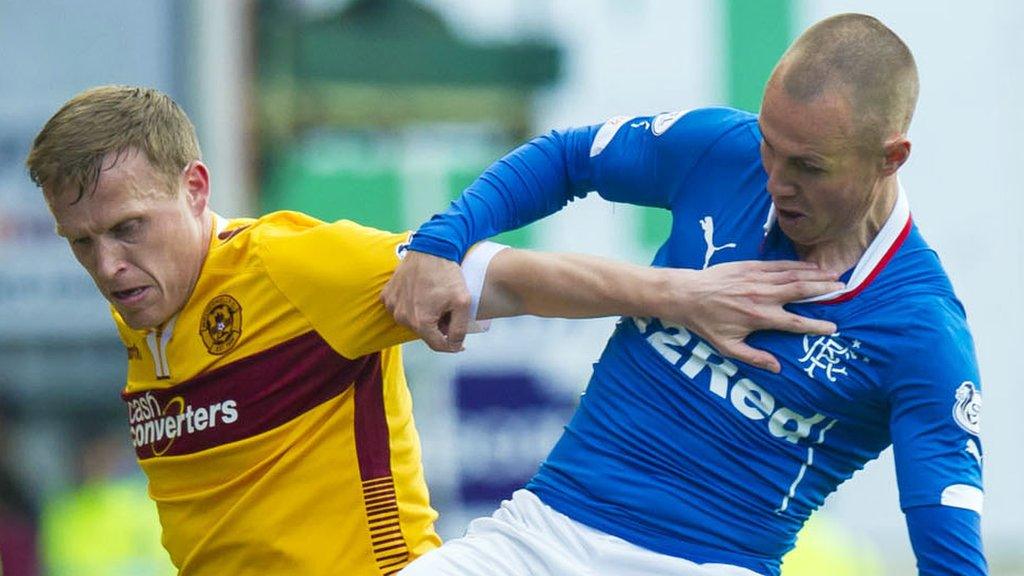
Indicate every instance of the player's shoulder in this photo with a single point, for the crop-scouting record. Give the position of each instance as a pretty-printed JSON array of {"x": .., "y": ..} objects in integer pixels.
[
  {"x": 709, "y": 123},
  {"x": 272, "y": 226},
  {"x": 720, "y": 117},
  {"x": 680, "y": 140},
  {"x": 690, "y": 124},
  {"x": 714, "y": 117},
  {"x": 915, "y": 279},
  {"x": 912, "y": 303},
  {"x": 912, "y": 308},
  {"x": 726, "y": 137},
  {"x": 242, "y": 243},
  {"x": 286, "y": 227},
  {"x": 288, "y": 241},
  {"x": 923, "y": 325},
  {"x": 914, "y": 336}
]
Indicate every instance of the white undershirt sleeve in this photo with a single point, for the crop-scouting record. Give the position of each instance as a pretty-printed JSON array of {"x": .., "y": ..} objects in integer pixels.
[{"x": 474, "y": 270}]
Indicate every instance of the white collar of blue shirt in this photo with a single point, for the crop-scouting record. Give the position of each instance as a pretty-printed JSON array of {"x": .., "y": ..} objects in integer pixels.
[{"x": 876, "y": 251}]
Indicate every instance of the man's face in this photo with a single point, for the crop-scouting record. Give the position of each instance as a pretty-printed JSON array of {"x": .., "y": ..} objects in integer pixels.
[
  {"x": 142, "y": 243},
  {"x": 821, "y": 179}
]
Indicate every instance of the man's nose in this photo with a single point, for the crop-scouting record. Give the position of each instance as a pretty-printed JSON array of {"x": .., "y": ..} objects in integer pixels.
[
  {"x": 779, "y": 184},
  {"x": 109, "y": 259}
]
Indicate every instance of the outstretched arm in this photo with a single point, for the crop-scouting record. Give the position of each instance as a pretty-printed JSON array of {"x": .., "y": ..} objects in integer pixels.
[
  {"x": 722, "y": 304},
  {"x": 427, "y": 292},
  {"x": 621, "y": 162},
  {"x": 532, "y": 181}
]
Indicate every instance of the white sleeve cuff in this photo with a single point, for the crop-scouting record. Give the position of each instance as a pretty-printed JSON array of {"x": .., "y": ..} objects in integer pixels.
[
  {"x": 474, "y": 270},
  {"x": 963, "y": 496}
]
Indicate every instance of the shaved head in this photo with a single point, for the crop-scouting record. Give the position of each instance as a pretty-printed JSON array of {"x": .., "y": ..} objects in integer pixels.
[{"x": 862, "y": 60}]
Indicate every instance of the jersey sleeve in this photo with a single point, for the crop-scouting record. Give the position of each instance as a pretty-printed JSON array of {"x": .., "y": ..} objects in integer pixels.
[
  {"x": 642, "y": 160},
  {"x": 935, "y": 400},
  {"x": 333, "y": 274},
  {"x": 946, "y": 541}
]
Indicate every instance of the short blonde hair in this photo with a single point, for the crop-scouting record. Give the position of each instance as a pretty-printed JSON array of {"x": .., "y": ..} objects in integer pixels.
[
  {"x": 863, "y": 58},
  {"x": 71, "y": 147}
]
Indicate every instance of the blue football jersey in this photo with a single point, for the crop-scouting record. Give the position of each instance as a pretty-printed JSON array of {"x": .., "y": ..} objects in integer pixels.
[{"x": 684, "y": 452}]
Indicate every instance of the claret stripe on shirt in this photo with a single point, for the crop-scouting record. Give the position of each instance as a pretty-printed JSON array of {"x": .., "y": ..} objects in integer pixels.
[
  {"x": 245, "y": 398},
  {"x": 374, "y": 455}
]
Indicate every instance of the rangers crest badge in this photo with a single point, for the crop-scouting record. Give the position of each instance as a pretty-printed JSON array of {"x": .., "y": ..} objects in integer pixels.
[{"x": 967, "y": 409}]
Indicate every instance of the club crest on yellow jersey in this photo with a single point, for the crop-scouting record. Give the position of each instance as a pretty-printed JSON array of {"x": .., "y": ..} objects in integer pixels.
[{"x": 221, "y": 324}]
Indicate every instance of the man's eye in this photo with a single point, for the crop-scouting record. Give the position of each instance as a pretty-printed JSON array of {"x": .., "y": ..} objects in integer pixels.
[
  {"x": 810, "y": 168},
  {"x": 81, "y": 242},
  {"x": 127, "y": 229}
]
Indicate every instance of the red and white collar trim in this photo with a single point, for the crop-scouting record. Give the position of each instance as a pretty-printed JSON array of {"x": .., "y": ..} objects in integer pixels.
[{"x": 879, "y": 252}]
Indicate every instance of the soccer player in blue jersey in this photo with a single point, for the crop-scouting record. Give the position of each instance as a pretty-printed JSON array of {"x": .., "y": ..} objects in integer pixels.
[{"x": 680, "y": 460}]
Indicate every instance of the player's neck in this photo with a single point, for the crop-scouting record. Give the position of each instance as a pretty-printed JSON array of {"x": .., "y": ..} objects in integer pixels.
[
  {"x": 845, "y": 250},
  {"x": 209, "y": 224}
]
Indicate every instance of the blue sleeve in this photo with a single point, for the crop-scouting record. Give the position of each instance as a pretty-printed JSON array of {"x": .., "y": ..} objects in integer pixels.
[
  {"x": 935, "y": 410},
  {"x": 935, "y": 402},
  {"x": 946, "y": 541},
  {"x": 642, "y": 161}
]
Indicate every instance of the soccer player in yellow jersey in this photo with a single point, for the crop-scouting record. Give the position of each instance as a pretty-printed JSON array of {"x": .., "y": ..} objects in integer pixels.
[{"x": 265, "y": 394}]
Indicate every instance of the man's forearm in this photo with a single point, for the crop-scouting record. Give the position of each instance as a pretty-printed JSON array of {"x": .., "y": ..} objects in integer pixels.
[
  {"x": 722, "y": 304},
  {"x": 570, "y": 286}
]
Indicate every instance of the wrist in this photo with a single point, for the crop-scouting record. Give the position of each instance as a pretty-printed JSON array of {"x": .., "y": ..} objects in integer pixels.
[
  {"x": 435, "y": 246},
  {"x": 660, "y": 295},
  {"x": 678, "y": 295}
]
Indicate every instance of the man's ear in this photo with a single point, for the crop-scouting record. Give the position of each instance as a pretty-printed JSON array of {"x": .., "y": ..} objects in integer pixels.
[
  {"x": 197, "y": 186},
  {"x": 896, "y": 151}
]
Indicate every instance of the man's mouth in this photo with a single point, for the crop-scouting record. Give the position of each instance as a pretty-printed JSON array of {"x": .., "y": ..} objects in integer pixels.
[
  {"x": 130, "y": 295},
  {"x": 788, "y": 214}
]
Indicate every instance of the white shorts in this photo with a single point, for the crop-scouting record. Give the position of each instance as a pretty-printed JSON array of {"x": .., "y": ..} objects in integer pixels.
[{"x": 526, "y": 537}]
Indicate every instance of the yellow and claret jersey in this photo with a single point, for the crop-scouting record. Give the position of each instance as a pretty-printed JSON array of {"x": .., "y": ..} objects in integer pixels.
[{"x": 271, "y": 414}]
